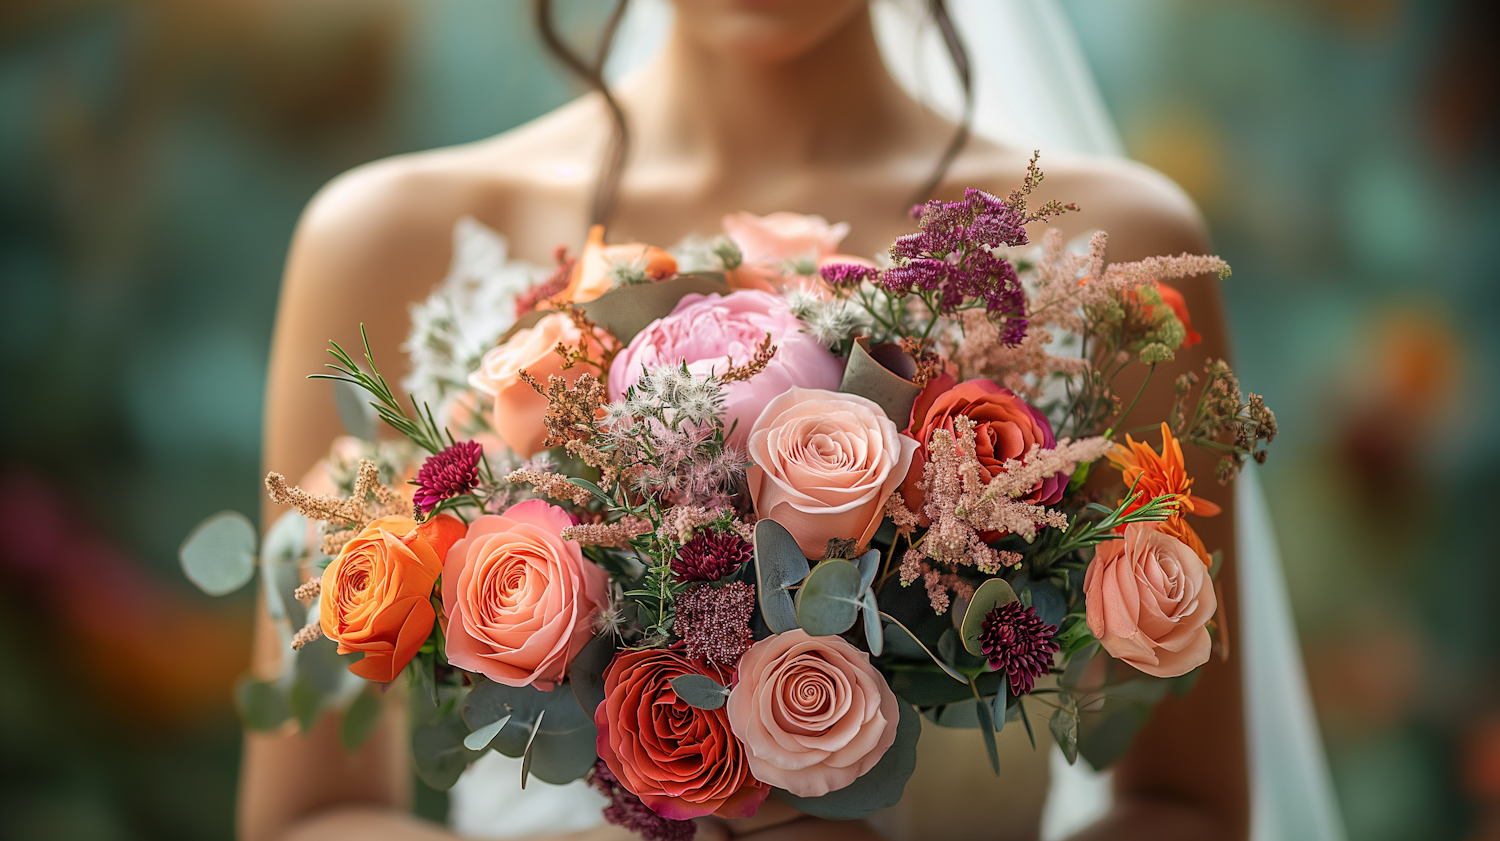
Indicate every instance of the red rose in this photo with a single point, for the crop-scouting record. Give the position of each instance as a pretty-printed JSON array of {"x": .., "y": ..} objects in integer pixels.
[
  {"x": 680, "y": 761},
  {"x": 1005, "y": 427}
]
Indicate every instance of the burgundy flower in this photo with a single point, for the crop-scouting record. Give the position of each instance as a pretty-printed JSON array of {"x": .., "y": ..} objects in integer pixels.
[
  {"x": 711, "y": 555},
  {"x": 1017, "y": 642},
  {"x": 714, "y": 622},
  {"x": 627, "y": 811},
  {"x": 452, "y": 472}
]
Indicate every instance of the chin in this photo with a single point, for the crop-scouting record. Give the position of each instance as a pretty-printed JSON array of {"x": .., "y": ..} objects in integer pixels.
[{"x": 763, "y": 30}]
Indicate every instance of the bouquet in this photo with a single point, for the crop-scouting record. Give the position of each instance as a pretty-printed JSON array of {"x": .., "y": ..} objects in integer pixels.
[{"x": 726, "y": 522}]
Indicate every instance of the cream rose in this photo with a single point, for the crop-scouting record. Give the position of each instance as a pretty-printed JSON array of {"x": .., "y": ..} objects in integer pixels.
[
  {"x": 518, "y": 600},
  {"x": 518, "y": 408},
  {"x": 812, "y": 711},
  {"x": 1149, "y": 599},
  {"x": 824, "y": 463}
]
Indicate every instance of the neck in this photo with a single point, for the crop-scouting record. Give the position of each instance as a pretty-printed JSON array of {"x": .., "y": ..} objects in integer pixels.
[{"x": 836, "y": 103}]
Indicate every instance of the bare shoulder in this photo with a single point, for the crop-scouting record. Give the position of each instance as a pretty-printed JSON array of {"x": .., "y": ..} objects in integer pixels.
[{"x": 1144, "y": 212}]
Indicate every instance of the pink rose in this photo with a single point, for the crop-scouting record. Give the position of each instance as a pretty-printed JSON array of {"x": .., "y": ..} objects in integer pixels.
[
  {"x": 782, "y": 237},
  {"x": 824, "y": 464},
  {"x": 1149, "y": 599},
  {"x": 712, "y": 332},
  {"x": 518, "y": 408},
  {"x": 812, "y": 711},
  {"x": 518, "y": 600}
]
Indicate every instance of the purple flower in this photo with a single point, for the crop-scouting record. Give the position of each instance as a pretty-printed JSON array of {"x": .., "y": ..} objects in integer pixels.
[
  {"x": 845, "y": 274},
  {"x": 711, "y": 555},
  {"x": 1018, "y": 643},
  {"x": 447, "y": 474}
]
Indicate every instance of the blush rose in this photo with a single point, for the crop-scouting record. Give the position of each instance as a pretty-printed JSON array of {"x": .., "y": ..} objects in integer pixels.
[
  {"x": 681, "y": 761},
  {"x": 518, "y": 599},
  {"x": 377, "y": 594},
  {"x": 517, "y": 407},
  {"x": 1149, "y": 598},
  {"x": 812, "y": 711},
  {"x": 712, "y": 332},
  {"x": 824, "y": 464}
]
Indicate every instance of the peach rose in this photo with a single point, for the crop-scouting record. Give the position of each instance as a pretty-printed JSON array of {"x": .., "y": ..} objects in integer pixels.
[
  {"x": 812, "y": 711},
  {"x": 518, "y": 600},
  {"x": 824, "y": 463},
  {"x": 1149, "y": 599},
  {"x": 518, "y": 408},
  {"x": 377, "y": 594},
  {"x": 592, "y": 274},
  {"x": 681, "y": 761},
  {"x": 783, "y": 237}
]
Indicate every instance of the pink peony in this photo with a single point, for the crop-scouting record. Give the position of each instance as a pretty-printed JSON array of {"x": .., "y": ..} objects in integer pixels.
[
  {"x": 1149, "y": 598},
  {"x": 824, "y": 464},
  {"x": 518, "y": 600},
  {"x": 812, "y": 711},
  {"x": 713, "y": 332}
]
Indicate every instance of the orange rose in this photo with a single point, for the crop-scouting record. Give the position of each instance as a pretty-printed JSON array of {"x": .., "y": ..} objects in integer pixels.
[
  {"x": 1148, "y": 598},
  {"x": 591, "y": 276},
  {"x": 518, "y": 408},
  {"x": 377, "y": 592}
]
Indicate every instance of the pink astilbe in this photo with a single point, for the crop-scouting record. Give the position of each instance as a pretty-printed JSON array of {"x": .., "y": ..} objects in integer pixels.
[
  {"x": 616, "y": 534},
  {"x": 940, "y": 584},
  {"x": 902, "y": 517}
]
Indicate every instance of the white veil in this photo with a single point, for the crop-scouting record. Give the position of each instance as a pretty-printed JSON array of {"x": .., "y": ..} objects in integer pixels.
[{"x": 1032, "y": 88}]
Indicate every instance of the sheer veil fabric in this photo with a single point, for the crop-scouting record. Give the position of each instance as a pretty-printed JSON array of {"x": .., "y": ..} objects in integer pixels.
[{"x": 1033, "y": 89}]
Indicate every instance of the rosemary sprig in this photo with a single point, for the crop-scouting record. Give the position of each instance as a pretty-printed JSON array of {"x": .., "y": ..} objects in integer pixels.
[{"x": 424, "y": 431}]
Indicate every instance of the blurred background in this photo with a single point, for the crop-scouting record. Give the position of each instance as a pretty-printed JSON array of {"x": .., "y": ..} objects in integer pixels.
[{"x": 154, "y": 155}]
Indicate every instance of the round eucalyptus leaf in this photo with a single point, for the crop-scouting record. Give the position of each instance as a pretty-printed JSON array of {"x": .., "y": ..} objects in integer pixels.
[
  {"x": 438, "y": 752},
  {"x": 880, "y": 787},
  {"x": 490, "y": 701},
  {"x": 481, "y": 738},
  {"x": 262, "y": 705},
  {"x": 990, "y": 595},
  {"x": 359, "y": 720},
  {"x": 561, "y": 758},
  {"x": 874, "y": 636},
  {"x": 869, "y": 564},
  {"x": 1050, "y": 605},
  {"x": 828, "y": 601},
  {"x": 700, "y": 691},
  {"x": 779, "y": 563},
  {"x": 219, "y": 554}
]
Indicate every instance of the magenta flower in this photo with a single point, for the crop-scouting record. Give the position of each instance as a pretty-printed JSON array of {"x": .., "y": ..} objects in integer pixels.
[
  {"x": 450, "y": 473},
  {"x": 711, "y": 555},
  {"x": 1018, "y": 643}
]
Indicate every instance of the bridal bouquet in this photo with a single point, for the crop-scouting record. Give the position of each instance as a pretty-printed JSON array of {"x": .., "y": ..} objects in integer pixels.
[{"x": 717, "y": 524}]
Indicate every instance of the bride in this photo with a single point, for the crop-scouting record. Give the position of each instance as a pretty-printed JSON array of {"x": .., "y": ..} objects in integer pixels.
[{"x": 757, "y": 105}]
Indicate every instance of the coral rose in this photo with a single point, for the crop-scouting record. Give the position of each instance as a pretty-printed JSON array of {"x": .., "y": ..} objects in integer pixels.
[
  {"x": 1005, "y": 427},
  {"x": 1149, "y": 598},
  {"x": 783, "y": 237},
  {"x": 377, "y": 594},
  {"x": 812, "y": 711},
  {"x": 712, "y": 332},
  {"x": 518, "y": 599},
  {"x": 824, "y": 464},
  {"x": 681, "y": 761},
  {"x": 518, "y": 408}
]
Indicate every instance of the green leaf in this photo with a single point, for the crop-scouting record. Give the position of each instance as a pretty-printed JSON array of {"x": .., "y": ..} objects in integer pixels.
[
  {"x": 586, "y": 675},
  {"x": 219, "y": 554},
  {"x": 982, "y": 711},
  {"x": 281, "y": 555},
  {"x": 1050, "y": 605},
  {"x": 880, "y": 787},
  {"x": 262, "y": 705},
  {"x": 869, "y": 564},
  {"x": 592, "y": 488},
  {"x": 1077, "y": 664},
  {"x": 882, "y": 374},
  {"x": 874, "y": 637},
  {"x": 489, "y": 701},
  {"x": 627, "y": 310},
  {"x": 700, "y": 691},
  {"x": 779, "y": 563},
  {"x": 438, "y": 751},
  {"x": 359, "y": 720},
  {"x": 305, "y": 703},
  {"x": 480, "y": 739},
  {"x": 561, "y": 758},
  {"x": 906, "y": 633},
  {"x": 828, "y": 601},
  {"x": 355, "y": 411},
  {"x": 536, "y": 727},
  {"x": 999, "y": 711},
  {"x": 990, "y": 595},
  {"x": 1064, "y": 727}
]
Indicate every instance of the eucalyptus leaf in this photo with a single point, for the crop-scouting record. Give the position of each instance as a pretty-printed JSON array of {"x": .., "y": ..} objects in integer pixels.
[
  {"x": 561, "y": 758},
  {"x": 359, "y": 720},
  {"x": 438, "y": 751},
  {"x": 219, "y": 554},
  {"x": 281, "y": 557},
  {"x": 355, "y": 409},
  {"x": 874, "y": 637},
  {"x": 779, "y": 563},
  {"x": 828, "y": 601},
  {"x": 908, "y": 635},
  {"x": 990, "y": 595},
  {"x": 536, "y": 728},
  {"x": 489, "y": 701},
  {"x": 700, "y": 691},
  {"x": 262, "y": 705},
  {"x": 869, "y": 564},
  {"x": 480, "y": 739},
  {"x": 1064, "y": 727},
  {"x": 983, "y": 712},
  {"x": 586, "y": 675},
  {"x": 1050, "y": 605},
  {"x": 999, "y": 711},
  {"x": 880, "y": 787}
]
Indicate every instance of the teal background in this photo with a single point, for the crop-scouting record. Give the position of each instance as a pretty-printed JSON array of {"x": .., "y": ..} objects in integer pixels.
[{"x": 154, "y": 155}]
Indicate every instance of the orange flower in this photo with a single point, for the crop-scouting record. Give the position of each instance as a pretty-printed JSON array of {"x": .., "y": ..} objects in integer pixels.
[
  {"x": 591, "y": 276},
  {"x": 377, "y": 594},
  {"x": 1153, "y": 475},
  {"x": 1178, "y": 304}
]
